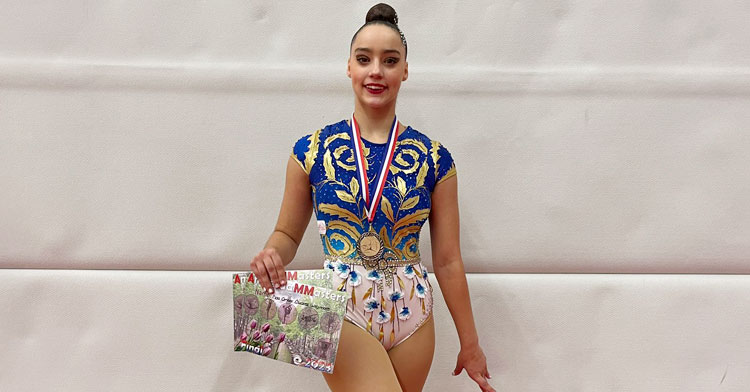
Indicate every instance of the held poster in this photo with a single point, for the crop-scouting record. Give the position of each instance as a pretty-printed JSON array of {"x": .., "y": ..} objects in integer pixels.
[{"x": 299, "y": 324}]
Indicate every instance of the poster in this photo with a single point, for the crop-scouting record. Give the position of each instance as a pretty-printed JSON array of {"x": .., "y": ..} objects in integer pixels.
[{"x": 299, "y": 324}]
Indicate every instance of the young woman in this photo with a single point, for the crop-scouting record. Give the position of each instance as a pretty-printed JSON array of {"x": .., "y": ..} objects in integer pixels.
[{"x": 373, "y": 182}]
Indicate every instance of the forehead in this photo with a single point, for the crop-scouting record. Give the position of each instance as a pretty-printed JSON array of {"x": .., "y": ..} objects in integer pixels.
[{"x": 378, "y": 37}]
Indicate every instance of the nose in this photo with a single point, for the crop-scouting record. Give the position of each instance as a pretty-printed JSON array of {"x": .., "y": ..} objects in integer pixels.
[{"x": 376, "y": 69}]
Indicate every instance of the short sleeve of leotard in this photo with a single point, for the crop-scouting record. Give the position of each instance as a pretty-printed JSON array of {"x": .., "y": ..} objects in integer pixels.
[
  {"x": 303, "y": 153},
  {"x": 444, "y": 166}
]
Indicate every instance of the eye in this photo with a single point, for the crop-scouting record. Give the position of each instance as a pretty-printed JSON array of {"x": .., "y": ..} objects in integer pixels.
[
  {"x": 391, "y": 60},
  {"x": 362, "y": 59}
]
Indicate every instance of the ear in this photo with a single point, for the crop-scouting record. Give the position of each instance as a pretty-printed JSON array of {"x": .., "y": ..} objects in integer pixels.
[
  {"x": 349, "y": 67},
  {"x": 406, "y": 72}
]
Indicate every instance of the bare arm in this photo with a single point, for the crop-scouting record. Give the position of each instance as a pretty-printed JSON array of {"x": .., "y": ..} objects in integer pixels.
[
  {"x": 294, "y": 215},
  {"x": 449, "y": 271}
]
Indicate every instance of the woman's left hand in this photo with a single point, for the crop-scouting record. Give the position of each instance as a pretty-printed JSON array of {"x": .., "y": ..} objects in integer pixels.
[{"x": 473, "y": 360}]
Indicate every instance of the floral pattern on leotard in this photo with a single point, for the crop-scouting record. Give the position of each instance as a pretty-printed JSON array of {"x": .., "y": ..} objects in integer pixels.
[
  {"x": 389, "y": 305},
  {"x": 419, "y": 164}
]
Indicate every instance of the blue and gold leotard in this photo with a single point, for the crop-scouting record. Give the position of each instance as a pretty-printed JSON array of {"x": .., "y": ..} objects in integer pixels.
[{"x": 389, "y": 297}]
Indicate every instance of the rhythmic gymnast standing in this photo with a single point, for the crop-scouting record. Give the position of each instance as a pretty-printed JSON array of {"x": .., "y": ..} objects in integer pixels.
[{"x": 373, "y": 182}]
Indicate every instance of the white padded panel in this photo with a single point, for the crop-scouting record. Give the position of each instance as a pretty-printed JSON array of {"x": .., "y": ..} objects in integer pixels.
[
  {"x": 167, "y": 331},
  {"x": 112, "y": 178},
  {"x": 484, "y": 33},
  {"x": 587, "y": 138}
]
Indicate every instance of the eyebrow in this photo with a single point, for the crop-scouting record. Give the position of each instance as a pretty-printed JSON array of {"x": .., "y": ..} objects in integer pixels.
[{"x": 368, "y": 50}]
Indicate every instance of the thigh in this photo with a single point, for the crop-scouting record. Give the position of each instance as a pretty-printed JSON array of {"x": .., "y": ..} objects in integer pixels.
[
  {"x": 412, "y": 358},
  {"x": 361, "y": 363}
]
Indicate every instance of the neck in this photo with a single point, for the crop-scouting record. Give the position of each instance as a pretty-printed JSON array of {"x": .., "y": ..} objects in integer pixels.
[{"x": 374, "y": 124}]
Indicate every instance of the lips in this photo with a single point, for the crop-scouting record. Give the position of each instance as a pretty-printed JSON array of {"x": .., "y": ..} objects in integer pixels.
[{"x": 374, "y": 88}]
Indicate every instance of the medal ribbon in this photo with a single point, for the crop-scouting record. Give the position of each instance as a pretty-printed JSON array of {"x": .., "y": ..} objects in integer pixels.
[{"x": 371, "y": 205}]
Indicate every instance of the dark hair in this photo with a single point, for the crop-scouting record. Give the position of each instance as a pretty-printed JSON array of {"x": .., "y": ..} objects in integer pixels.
[{"x": 384, "y": 14}]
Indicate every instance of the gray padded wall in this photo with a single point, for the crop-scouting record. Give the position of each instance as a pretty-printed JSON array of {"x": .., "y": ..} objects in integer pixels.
[{"x": 602, "y": 166}]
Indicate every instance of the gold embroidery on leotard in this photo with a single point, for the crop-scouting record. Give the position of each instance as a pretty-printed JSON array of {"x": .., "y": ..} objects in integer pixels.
[
  {"x": 328, "y": 166},
  {"x": 385, "y": 206},
  {"x": 342, "y": 136},
  {"x": 312, "y": 151},
  {"x": 450, "y": 173},
  {"x": 418, "y": 164},
  {"x": 421, "y": 176}
]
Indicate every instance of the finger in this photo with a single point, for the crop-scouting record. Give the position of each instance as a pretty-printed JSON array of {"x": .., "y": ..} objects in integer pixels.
[
  {"x": 280, "y": 272},
  {"x": 487, "y": 387},
  {"x": 482, "y": 382},
  {"x": 262, "y": 276},
  {"x": 458, "y": 369},
  {"x": 254, "y": 268},
  {"x": 487, "y": 373},
  {"x": 271, "y": 268}
]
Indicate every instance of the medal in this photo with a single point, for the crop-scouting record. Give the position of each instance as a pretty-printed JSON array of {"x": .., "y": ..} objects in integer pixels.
[
  {"x": 372, "y": 204},
  {"x": 370, "y": 248}
]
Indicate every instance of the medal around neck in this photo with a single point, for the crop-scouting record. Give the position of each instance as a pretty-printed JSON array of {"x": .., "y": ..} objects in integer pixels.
[
  {"x": 369, "y": 245},
  {"x": 371, "y": 205}
]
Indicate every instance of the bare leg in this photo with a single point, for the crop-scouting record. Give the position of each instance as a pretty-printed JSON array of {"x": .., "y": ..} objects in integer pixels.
[
  {"x": 412, "y": 358},
  {"x": 361, "y": 364}
]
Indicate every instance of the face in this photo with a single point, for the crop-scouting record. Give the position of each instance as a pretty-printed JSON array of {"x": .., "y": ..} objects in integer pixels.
[{"x": 377, "y": 66}]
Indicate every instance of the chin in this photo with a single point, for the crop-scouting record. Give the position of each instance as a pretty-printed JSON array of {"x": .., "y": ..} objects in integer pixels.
[{"x": 376, "y": 103}]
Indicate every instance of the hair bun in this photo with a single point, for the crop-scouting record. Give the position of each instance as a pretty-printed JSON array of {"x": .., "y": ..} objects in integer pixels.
[{"x": 382, "y": 12}]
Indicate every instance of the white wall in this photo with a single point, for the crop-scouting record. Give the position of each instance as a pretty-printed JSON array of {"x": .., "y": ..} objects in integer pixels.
[{"x": 592, "y": 140}]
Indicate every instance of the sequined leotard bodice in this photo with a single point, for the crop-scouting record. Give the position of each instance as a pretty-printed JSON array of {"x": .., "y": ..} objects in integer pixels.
[{"x": 418, "y": 165}]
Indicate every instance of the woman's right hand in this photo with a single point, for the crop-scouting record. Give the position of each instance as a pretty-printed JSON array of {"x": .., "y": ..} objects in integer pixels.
[{"x": 269, "y": 269}]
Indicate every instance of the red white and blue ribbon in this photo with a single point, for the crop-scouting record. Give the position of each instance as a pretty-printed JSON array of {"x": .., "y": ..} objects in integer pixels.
[{"x": 372, "y": 204}]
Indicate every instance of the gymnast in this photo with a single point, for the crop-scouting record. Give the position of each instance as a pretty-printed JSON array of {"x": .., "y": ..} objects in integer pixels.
[{"x": 373, "y": 182}]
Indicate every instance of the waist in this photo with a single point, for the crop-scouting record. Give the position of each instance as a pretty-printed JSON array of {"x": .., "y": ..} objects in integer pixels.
[{"x": 381, "y": 263}]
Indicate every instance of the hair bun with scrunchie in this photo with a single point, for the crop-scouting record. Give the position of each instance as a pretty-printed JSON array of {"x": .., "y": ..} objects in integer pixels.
[{"x": 383, "y": 12}]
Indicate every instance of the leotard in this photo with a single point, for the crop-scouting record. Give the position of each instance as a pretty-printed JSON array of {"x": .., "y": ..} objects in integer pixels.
[{"x": 393, "y": 299}]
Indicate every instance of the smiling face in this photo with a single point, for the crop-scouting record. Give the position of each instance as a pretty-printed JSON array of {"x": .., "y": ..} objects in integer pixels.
[{"x": 377, "y": 67}]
